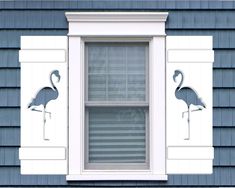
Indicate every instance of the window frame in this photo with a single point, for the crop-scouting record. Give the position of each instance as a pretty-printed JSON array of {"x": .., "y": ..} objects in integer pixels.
[{"x": 120, "y": 27}]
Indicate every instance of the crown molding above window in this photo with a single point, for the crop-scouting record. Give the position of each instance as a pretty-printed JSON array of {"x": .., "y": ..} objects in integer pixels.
[
  {"x": 116, "y": 23},
  {"x": 116, "y": 16}
]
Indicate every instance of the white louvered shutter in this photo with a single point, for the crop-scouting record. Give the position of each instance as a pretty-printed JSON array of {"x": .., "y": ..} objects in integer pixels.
[
  {"x": 43, "y": 134},
  {"x": 189, "y": 132}
]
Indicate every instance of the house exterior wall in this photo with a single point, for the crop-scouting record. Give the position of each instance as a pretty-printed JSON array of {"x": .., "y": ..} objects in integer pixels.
[{"x": 216, "y": 18}]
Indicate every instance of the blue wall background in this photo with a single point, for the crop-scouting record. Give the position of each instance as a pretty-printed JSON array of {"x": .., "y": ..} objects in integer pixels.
[{"x": 193, "y": 17}]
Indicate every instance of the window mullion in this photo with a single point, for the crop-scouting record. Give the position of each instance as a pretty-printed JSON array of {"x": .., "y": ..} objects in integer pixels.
[{"x": 116, "y": 104}]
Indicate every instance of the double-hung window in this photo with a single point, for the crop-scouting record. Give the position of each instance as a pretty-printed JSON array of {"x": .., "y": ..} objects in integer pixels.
[
  {"x": 117, "y": 96},
  {"x": 116, "y": 105}
]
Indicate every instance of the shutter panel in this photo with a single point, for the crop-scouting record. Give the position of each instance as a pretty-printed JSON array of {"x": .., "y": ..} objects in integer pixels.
[
  {"x": 44, "y": 105},
  {"x": 189, "y": 130}
]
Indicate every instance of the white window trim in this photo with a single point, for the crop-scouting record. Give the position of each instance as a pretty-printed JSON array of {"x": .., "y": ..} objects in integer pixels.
[{"x": 117, "y": 26}]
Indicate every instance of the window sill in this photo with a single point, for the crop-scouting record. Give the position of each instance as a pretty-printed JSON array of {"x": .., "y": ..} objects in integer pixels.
[{"x": 145, "y": 176}]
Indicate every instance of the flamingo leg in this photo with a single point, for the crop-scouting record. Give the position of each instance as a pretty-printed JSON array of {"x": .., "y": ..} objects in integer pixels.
[
  {"x": 189, "y": 114},
  {"x": 199, "y": 109},
  {"x": 188, "y": 132},
  {"x": 44, "y": 124},
  {"x": 33, "y": 109}
]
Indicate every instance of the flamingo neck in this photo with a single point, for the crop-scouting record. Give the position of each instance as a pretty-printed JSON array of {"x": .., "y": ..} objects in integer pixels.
[
  {"x": 52, "y": 83},
  {"x": 181, "y": 81}
]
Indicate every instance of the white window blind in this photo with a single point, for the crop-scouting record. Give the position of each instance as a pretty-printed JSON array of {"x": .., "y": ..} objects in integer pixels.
[{"x": 117, "y": 135}]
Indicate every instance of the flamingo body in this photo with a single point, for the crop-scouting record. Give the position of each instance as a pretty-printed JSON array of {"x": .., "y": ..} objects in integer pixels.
[
  {"x": 44, "y": 96},
  {"x": 189, "y": 96}
]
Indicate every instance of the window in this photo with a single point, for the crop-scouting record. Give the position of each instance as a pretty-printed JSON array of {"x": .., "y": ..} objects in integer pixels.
[
  {"x": 117, "y": 96},
  {"x": 116, "y": 123}
]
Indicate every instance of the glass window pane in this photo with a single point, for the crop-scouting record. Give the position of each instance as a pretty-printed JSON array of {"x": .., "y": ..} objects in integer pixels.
[
  {"x": 117, "y": 71},
  {"x": 117, "y": 135}
]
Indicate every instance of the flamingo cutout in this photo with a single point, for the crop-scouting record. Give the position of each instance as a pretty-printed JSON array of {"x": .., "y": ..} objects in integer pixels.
[
  {"x": 189, "y": 96},
  {"x": 44, "y": 96}
]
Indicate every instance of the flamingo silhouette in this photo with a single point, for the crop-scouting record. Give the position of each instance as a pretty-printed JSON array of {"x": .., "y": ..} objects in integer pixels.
[
  {"x": 44, "y": 96},
  {"x": 189, "y": 96}
]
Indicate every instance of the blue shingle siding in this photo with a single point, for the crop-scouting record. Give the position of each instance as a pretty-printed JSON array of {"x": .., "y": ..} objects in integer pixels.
[
  {"x": 118, "y": 4},
  {"x": 186, "y": 19},
  {"x": 193, "y": 17},
  {"x": 9, "y": 117}
]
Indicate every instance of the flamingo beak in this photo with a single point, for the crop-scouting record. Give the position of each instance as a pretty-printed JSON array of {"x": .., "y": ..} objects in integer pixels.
[
  {"x": 58, "y": 76},
  {"x": 174, "y": 77}
]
